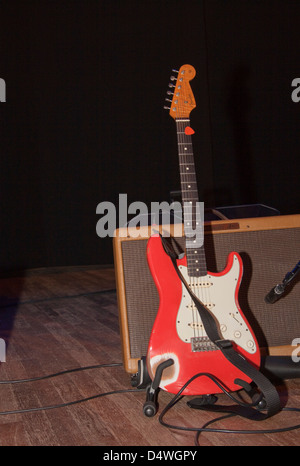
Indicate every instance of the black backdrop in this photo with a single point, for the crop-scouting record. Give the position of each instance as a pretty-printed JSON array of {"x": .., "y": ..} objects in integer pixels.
[{"x": 83, "y": 119}]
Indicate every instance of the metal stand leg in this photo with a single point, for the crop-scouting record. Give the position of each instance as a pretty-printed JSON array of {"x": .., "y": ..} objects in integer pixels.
[{"x": 150, "y": 405}]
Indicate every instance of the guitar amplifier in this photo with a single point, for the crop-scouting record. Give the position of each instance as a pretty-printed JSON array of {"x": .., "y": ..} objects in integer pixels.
[{"x": 269, "y": 248}]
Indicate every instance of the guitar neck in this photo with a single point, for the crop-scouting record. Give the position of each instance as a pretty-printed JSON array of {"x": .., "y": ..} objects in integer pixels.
[{"x": 196, "y": 261}]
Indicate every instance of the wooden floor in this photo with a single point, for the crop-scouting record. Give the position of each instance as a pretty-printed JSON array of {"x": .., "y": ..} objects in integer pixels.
[{"x": 65, "y": 318}]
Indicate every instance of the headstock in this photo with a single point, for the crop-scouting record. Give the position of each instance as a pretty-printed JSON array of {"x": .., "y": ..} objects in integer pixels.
[{"x": 183, "y": 101}]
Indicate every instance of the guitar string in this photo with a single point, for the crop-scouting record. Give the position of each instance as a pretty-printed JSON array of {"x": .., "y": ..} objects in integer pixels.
[
  {"x": 182, "y": 164},
  {"x": 195, "y": 318},
  {"x": 183, "y": 167},
  {"x": 198, "y": 284}
]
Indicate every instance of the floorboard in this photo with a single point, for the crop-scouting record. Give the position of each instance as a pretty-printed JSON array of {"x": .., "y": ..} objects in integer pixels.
[{"x": 65, "y": 318}]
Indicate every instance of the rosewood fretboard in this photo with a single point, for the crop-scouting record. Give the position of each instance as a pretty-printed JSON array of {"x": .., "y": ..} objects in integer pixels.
[{"x": 196, "y": 261}]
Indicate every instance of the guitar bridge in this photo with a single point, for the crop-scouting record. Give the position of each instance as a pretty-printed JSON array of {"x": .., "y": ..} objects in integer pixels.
[{"x": 202, "y": 344}]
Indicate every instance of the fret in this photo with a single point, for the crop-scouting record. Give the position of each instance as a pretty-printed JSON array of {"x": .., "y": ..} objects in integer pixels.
[
  {"x": 189, "y": 190},
  {"x": 196, "y": 261}
]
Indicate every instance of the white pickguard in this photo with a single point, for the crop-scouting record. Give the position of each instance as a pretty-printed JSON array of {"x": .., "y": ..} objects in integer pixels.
[{"x": 217, "y": 293}]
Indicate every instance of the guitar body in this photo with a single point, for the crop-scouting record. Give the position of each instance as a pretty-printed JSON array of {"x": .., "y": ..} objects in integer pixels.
[{"x": 178, "y": 332}]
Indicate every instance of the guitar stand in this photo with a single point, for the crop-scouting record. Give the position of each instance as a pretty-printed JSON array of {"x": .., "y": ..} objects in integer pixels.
[
  {"x": 207, "y": 402},
  {"x": 150, "y": 405},
  {"x": 142, "y": 380},
  {"x": 204, "y": 402}
]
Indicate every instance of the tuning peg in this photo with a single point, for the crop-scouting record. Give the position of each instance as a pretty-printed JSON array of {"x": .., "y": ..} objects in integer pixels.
[
  {"x": 167, "y": 108},
  {"x": 171, "y": 85},
  {"x": 168, "y": 100},
  {"x": 175, "y": 71},
  {"x": 173, "y": 78},
  {"x": 170, "y": 93}
]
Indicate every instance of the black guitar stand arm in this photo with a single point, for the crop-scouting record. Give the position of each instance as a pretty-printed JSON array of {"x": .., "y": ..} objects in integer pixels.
[{"x": 150, "y": 405}]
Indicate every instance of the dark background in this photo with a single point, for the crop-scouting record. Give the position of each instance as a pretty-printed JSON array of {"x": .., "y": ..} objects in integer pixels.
[{"x": 84, "y": 120}]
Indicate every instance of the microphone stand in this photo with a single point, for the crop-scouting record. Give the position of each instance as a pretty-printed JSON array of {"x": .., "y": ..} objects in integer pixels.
[
  {"x": 281, "y": 367},
  {"x": 278, "y": 290}
]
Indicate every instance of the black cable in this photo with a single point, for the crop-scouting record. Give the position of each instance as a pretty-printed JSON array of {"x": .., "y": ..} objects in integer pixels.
[
  {"x": 242, "y": 431},
  {"x": 205, "y": 428},
  {"x": 210, "y": 376},
  {"x": 53, "y": 298},
  {"x": 70, "y": 403},
  {"x": 56, "y": 374},
  {"x": 211, "y": 421},
  {"x": 173, "y": 401}
]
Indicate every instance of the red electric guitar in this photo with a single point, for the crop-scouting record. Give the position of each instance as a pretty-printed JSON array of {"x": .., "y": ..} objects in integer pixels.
[{"x": 178, "y": 332}]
